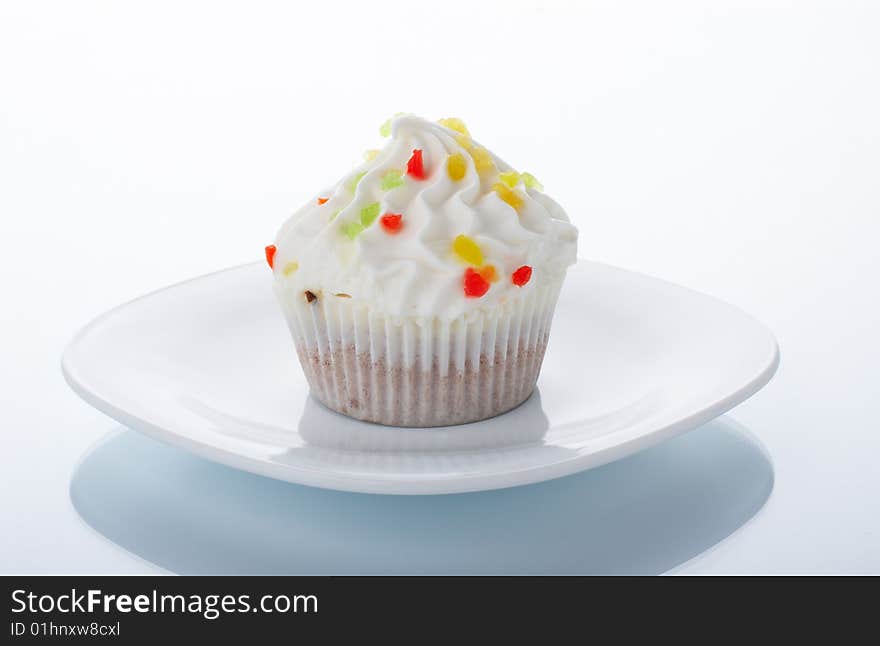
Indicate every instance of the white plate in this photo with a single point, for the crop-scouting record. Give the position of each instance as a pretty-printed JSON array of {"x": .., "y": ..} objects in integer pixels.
[{"x": 208, "y": 366}]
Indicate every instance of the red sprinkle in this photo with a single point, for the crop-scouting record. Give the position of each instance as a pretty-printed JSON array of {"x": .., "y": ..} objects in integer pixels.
[
  {"x": 392, "y": 222},
  {"x": 415, "y": 167},
  {"x": 522, "y": 275},
  {"x": 270, "y": 256},
  {"x": 474, "y": 284},
  {"x": 321, "y": 200}
]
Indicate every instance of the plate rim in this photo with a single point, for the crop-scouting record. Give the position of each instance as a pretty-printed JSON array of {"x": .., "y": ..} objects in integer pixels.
[{"x": 412, "y": 484}]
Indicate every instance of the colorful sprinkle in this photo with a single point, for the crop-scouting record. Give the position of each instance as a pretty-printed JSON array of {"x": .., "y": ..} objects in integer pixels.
[
  {"x": 415, "y": 167},
  {"x": 370, "y": 155},
  {"x": 290, "y": 267},
  {"x": 385, "y": 128},
  {"x": 511, "y": 178},
  {"x": 311, "y": 297},
  {"x": 322, "y": 200},
  {"x": 464, "y": 142},
  {"x": 369, "y": 214},
  {"x": 467, "y": 250},
  {"x": 352, "y": 229},
  {"x": 352, "y": 185},
  {"x": 392, "y": 222},
  {"x": 522, "y": 275},
  {"x": 532, "y": 182},
  {"x": 508, "y": 195},
  {"x": 270, "y": 256},
  {"x": 391, "y": 179},
  {"x": 482, "y": 159},
  {"x": 488, "y": 272},
  {"x": 454, "y": 123},
  {"x": 456, "y": 166},
  {"x": 474, "y": 284}
]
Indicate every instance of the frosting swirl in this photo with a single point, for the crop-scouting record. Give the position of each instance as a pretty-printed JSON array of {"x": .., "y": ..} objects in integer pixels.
[{"x": 431, "y": 226}]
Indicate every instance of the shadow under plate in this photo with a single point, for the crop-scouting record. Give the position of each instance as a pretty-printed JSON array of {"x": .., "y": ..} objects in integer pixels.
[{"x": 643, "y": 514}]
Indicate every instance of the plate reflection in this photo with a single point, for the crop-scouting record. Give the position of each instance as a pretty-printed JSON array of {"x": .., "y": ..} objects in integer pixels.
[{"x": 643, "y": 514}]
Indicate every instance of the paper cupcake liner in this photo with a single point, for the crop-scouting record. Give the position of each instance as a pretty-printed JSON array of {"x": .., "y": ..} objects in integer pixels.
[{"x": 409, "y": 372}]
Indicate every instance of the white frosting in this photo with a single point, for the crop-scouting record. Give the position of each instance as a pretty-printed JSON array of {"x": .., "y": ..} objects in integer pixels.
[{"x": 414, "y": 273}]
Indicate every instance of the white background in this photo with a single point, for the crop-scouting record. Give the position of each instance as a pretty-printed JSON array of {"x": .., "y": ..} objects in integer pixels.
[{"x": 731, "y": 147}]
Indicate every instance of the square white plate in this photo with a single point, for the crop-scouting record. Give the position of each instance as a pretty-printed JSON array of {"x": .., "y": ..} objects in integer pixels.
[{"x": 208, "y": 365}]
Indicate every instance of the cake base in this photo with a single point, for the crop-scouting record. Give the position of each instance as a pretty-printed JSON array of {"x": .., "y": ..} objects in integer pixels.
[
  {"x": 354, "y": 384},
  {"x": 409, "y": 371}
]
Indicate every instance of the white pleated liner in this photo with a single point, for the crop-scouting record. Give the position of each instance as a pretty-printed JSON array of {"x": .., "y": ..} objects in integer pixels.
[{"x": 415, "y": 372}]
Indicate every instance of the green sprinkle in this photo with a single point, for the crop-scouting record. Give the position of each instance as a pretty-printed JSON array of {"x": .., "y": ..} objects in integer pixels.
[
  {"x": 532, "y": 182},
  {"x": 385, "y": 128},
  {"x": 352, "y": 185},
  {"x": 369, "y": 214},
  {"x": 391, "y": 179},
  {"x": 352, "y": 229}
]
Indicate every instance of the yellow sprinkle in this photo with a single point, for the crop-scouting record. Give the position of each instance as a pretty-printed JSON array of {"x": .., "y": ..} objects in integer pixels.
[
  {"x": 456, "y": 166},
  {"x": 482, "y": 159},
  {"x": 454, "y": 123},
  {"x": 508, "y": 195},
  {"x": 465, "y": 142},
  {"x": 370, "y": 155},
  {"x": 289, "y": 268},
  {"x": 467, "y": 250},
  {"x": 511, "y": 178}
]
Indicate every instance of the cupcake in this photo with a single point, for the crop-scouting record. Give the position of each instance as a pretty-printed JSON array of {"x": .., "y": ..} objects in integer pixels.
[{"x": 420, "y": 289}]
